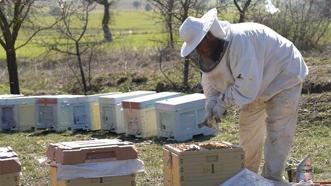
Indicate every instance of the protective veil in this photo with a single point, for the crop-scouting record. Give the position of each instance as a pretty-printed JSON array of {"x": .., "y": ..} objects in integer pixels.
[{"x": 262, "y": 73}]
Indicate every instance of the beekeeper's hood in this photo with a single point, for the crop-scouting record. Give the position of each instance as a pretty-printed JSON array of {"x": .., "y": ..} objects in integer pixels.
[{"x": 193, "y": 30}]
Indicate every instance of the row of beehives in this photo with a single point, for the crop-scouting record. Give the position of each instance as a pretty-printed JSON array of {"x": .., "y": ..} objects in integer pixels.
[
  {"x": 138, "y": 113},
  {"x": 112, "y": 162}
]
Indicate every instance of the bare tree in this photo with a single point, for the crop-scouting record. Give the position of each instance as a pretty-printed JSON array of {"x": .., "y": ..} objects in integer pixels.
[
  {"x": 136, "y": 4},
  {"x": 304, "y": 22},
  {"x": 242, "y": 9},
  {"x": 173, "y": 14},
  {"x": 13, "y": 15},
  {"x": 77, "y": 44},
  {"x": 107, "y": 4},
  {"x": 167, "y": 9}
]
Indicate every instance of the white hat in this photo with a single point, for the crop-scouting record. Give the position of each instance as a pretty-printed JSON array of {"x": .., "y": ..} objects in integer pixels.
[{"x": 193, "y": 30}]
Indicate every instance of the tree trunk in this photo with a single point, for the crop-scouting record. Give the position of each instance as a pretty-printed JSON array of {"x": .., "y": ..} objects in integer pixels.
[
  {"x": 186, "y": 73},
  {"x": 81, "y": 67},
  {"x": 12, "y": 71},
  {"x": 242, "y": 17},
  {"x": 105, "y": 20}
]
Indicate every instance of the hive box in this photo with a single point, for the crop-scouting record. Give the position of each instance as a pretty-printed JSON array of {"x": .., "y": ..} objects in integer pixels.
[
  {"x": 111, "y": 110},
  {"x": 200, "y": 167},
  {"x": 95, "y": 109},
  {"x": 180, "y": 118},
  {"x": 128, "y": 180},
  {"x": 18, "y": 113},
  {"x": 78, "y": 152},
  {"x": 55, "y": 112},
  {"x": 140, "y": 116},
  {"x": 10, "y": 167},
  {"x": 90, "y": 151}
]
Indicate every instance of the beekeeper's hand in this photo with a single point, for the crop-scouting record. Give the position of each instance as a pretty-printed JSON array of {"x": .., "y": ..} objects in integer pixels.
[
  {"x": 219, "y": 109},
  {"x": 209, "y": 106},
  {"x": 214, "y": 108}
]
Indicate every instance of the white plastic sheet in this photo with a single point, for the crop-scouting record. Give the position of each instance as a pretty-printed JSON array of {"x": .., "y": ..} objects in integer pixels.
[
  {"x": 99, "y": 169},
  {"x": 247, "y": 178}
]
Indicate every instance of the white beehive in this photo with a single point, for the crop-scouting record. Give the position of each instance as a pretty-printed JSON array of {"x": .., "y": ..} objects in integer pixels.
[
  {"x": 111, "y": 110},
  {"x": 180, "y": 118},
  {"x": 18, "y": 113},
  {"x": 86, "y": 113},
  {"x": 8, "y": 115},
  {"x": 140, "y": 116},
  {"x": 95, "y": 109},
  {"x": 55, "y": 112},
  {"x": 8, "y": 112}
]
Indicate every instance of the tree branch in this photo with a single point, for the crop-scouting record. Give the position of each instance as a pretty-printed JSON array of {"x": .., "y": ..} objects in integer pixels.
[
  {"x": 36, "y": 32},
  {"x": 237, "y": 5},
  {"x": 19, "y": 21},
  {"x": 85, "y": 23}
]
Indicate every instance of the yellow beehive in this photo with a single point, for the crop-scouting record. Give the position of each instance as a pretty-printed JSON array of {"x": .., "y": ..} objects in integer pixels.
[{"x": 200, "y": 167}]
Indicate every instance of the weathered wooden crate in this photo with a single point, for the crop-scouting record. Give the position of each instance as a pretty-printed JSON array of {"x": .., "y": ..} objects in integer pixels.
[
  {"x": 128, "y": 180},
  {"x": 10, "y": 167},
  {"x": 12, "y": 179},
  {"x": 90, "y": 151},
  {"x": 200, "y": 167}
]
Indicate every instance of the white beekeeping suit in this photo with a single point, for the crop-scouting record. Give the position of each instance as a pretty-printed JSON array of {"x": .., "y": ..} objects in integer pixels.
[{"x": 262, "y": 73}]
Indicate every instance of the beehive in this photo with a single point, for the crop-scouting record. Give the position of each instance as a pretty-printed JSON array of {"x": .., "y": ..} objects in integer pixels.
[
  {"x": 17, "y": 113},
  {"x": 95, "y": 109},
  {"x": 180, "y": 118},
  {"x": 128, "y": 180},
  {"x": 10, "y": 167},
  {"x": 93, "y": 151},
  {"x": 194, "y": 165},
  {"x": 55, "y": 112},
  {"x": 111, "y": 110},
  {"x": 8, "y": 115},
  {"x": 140, "y": 116}
]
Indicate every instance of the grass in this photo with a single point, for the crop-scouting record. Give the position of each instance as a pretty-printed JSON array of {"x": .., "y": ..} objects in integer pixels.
[
  {"x": 312, "y": 137},
  {"x": 139, "y": 28}
]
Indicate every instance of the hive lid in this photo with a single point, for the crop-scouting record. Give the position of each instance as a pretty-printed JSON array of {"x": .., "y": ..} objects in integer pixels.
[
  {"x": 19, "y": 100},
  {"x": 9, "y": 162},
  {"x": 182, "y": 102},
  {"x": 10, "y": 95},
  {"x": 118, "y": 98},
  {"x": 148, "y": 101},
  {"x": 54, "y": 99},
  {"x": 95, "y": 97},
  {"x": 91, "y": 151},
  {"x": 206, "y": 147}
]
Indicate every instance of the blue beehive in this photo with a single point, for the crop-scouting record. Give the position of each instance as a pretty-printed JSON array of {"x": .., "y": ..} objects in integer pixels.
[{"x": 180, "y": 118}]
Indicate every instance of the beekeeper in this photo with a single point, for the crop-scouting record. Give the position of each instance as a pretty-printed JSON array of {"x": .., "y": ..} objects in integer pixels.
[{"x": 250, "y": 66}]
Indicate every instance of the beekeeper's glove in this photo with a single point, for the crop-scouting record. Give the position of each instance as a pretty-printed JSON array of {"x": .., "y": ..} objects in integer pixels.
[
  {"x": 219, "y": 108},
  {"x": 214, "y": 108},
  {"x": 209, "y": 106}
]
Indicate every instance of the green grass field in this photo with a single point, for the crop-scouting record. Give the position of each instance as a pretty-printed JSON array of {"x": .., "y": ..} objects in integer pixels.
[{"x": 129, "y": 27}]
